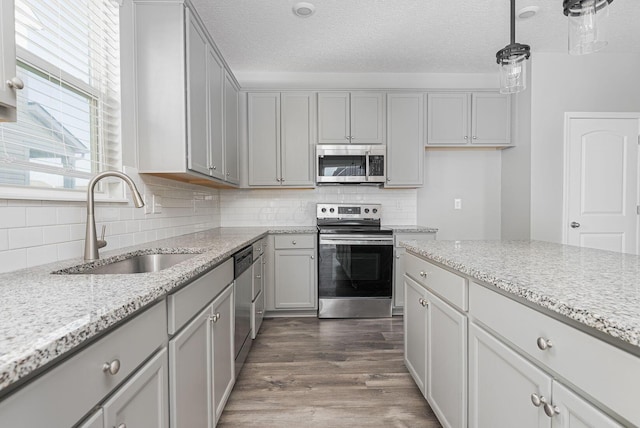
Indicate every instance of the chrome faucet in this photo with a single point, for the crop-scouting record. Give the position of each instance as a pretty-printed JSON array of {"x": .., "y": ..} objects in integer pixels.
[{"x": 91, "y": 242}]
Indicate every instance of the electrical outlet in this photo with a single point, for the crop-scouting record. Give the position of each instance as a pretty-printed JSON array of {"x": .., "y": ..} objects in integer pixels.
[
  {"x": 157, "y": 204},
  {"x": 457, "y": 204}
]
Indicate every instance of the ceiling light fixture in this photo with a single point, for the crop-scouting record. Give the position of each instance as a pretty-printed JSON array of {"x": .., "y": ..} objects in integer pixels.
[
  {"x": 303, "y": 9},
  {"x": 587, "y": 29},
  {"x": 511, "y": 59}
]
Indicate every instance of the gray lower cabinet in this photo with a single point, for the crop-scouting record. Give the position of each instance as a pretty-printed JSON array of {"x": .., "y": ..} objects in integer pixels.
[
  {"x": 415, "y": 332},
  {"x": 295, "y": 272},
  {"x": 399, "y": 256},
  {"x": 96, "y": 420},
  {"x": 202, "y": 365},
  {"x": 142, "y": 401},
  {"x": 66, "y": 393}
]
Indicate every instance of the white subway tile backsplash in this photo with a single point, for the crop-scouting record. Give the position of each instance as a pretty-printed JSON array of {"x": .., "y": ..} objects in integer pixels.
[
  {"x": 69, "y": 250},
  {"x": 56, "y": 234},
  {"x": 4, "y": 239},
  {"x": 13, "y": 260},
  {"x": 11, "y": 217},
  {"x": 70, "y": 215},
  {"x": 40, "y": 216},
  {"x": 41, "y": 255},
  {"x": 25, "y": 237}
]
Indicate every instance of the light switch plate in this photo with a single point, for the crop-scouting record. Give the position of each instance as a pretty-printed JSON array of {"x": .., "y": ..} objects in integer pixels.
[{"x": 457, "y": 204}]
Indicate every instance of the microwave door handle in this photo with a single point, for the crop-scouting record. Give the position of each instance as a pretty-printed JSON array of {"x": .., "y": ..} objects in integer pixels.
[{"x": 366, "y": 165}]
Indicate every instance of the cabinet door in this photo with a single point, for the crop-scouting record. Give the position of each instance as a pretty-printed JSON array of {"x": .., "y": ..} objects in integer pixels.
[
  {"x": 257, "y": 314},
  {"x": 448, "y": 119},
  {"x": 295, "y": 286},
  {"x": 264, "y": 139},
  {"x": 231, "y": 166},
  {"x": 405, "y": 140},
  {"x": 197, "y": 97},
  {"x": 446, "y": 389},
  {"x": 415, "y": 332},
  {"x": 398, "y": 276},
  {"x": 7, "y": 60},
  {"x": 191, "y": 371},
  {"x": 333, "y": 118},
  {"x": 143, "y": 400},
  {"x": 575, "y": 412},
  {"x": 94, "y": 421},
  {"x": 367, "y": 118},
  {"x": 215, "y": 77},
  {"x": 490, "y": 119},
  {"x": 296, "y": 150},
  {"x": 222, "y": 351},
  {"x": 501, "y": 383}
]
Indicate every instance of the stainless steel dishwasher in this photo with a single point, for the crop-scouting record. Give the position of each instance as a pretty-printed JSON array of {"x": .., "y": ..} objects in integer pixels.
[{"x": 243, "y": 260}]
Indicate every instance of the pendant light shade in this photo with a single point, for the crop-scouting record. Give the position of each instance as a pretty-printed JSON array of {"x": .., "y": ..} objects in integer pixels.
[
  {"x": 512, "y": 61},
  {"x": 587, "y": 25}
]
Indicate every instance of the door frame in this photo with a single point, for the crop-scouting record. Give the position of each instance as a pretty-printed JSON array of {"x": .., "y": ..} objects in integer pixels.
[{"x": 567, "y": 152}]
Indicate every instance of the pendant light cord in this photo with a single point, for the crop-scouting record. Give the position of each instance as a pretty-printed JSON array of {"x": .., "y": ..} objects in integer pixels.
[{"x": 513, "y": 21}]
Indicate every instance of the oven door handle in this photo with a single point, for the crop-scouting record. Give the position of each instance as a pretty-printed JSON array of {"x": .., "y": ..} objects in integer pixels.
[{"x": 355, "y": 241}]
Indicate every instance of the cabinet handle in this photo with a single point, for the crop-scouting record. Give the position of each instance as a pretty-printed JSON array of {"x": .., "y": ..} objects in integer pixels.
[
  {"x": 293, "y": 242},
  {"x": 544, "y": 344},
  {"x": 215, "y": 167},
  {"x": 423, "y": 302},
  {"x": 112, "y": 367},
  {"x": 259, "y": 312},
  {"x": 397, "y": 256},
  {"x": 423, "y": 274},
  {"x": 15, "y": 83},
  {"x": 475, "y": 138},
  {"x": 122, "y": 425},
  {"x": 551, "y": 410},
  {"x": 466, "y": 137},
  {"x": 312, "y": 257},
  {"x": 258, "y": 276},
  {"x": 214, "y": 318},
  {"x": 281, "y": 180},
  {"x": 388, "y": 178},
  {"x": 538, "y": 400},
  {"x": 227, "y": 174}
]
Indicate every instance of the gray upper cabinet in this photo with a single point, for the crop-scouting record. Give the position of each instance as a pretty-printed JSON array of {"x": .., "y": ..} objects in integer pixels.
[
  {"x": 231, "y": 159},
  {"x": 178, "y": 136},
  {"x": 7, "y": 62},
  {"x": 351, "y": 117},
  {"x": 405, "y": 151},
  {"x": 468, "y": 119},
  {"x": 280, "y": 130}
]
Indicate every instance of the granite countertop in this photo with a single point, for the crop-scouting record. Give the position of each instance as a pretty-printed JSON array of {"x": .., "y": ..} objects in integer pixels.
[
  {"x": 600, "y": 290},
  {"x": 45, "y": 316},
  {"x": 410, "y": 228}
]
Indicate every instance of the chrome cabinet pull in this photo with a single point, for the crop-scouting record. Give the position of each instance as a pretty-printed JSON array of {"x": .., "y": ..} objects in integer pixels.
[
  {"x": 15, "y": 83},
  {"x": 122, "y": 425},
  {"x": 537, "y": 400},
  {"x": 112, "y": 367},
  {"x": 258, "y": 276},
  {"x": 423, "y": 274},
  {"x": 551, "y": 410},
  {"x": 293, "y": 242},
  {"x": 575, "y": 224},
  {"x": 544, "y": 344},
  {"x": 423, "y": 302}
]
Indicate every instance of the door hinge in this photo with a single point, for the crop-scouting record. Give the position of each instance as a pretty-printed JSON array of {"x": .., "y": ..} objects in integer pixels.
[{"x": 637, "y": 209}]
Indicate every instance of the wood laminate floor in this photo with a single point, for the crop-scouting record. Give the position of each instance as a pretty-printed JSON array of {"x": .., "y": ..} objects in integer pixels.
[{"x": 306, "y": 372}]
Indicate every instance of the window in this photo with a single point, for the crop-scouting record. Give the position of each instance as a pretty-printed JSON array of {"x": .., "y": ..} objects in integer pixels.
[{"x": 68, "y": 125}]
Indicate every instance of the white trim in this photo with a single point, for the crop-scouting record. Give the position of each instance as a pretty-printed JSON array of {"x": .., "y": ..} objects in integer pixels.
[
  {"x": 39, "y": 194},
  {"x": 568, "y": 116}
]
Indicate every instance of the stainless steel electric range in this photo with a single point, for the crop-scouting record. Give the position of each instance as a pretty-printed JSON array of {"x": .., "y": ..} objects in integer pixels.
[{"x": 355, "y": 262}]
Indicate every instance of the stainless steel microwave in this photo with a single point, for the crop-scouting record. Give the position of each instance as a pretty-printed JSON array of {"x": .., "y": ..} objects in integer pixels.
[{"x": 350, "y": 163}]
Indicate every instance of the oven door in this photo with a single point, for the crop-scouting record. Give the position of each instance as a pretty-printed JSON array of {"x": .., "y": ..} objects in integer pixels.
[{"x": 355, "y": 266}]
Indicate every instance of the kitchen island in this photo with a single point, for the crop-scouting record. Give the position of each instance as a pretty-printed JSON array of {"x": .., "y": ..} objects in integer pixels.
[{"x": 528, "y": 332}]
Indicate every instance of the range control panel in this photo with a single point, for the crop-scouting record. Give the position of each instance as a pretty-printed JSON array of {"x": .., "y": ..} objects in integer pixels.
[{"x": 348, "y": 211}]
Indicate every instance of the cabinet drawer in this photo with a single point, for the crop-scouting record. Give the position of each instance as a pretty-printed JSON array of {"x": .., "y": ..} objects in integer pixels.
[
  {"x": 185, "y": 303},
  {"x": 602, "y": 371},
  {"x": 284, "y": 242},
  {"x": 67, "y": 392},
  {"x": 448, "y": 285}
]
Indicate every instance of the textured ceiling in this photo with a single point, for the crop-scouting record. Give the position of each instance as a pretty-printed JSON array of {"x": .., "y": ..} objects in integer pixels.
[{"x": 392, "y": 36}]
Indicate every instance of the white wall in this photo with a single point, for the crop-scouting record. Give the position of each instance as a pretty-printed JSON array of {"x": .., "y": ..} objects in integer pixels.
[
  {"x": 599, "y": 82},
  {"x": 289, "y": 207},
  {"x": 516, "y": 171},
  {"x": 38, "y": 232},
  {"x": 470, "y": 175}
]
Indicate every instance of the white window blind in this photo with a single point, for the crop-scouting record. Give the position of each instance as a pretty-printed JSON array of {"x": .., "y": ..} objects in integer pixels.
[{"x": 68, "y": 125}]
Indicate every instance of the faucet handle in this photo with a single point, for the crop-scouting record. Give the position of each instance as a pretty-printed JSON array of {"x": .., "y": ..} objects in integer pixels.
[{"x": 101, "y": 241}]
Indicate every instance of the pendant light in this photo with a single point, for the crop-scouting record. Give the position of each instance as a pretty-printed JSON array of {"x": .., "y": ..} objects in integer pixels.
[
  {"x": 512, "y": 61},
  {"x": 587, "y": 30}
]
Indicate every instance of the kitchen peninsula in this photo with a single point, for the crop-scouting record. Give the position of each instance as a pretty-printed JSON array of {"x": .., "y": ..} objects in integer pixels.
[{"x": 551, "y": 331}]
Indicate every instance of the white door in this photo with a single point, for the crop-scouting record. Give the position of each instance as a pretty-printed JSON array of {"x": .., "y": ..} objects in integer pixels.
[{"x": 602, "y": 181}]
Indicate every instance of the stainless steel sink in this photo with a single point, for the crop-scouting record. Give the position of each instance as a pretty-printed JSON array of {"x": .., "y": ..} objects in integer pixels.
[{"x": 144, "y": 263}]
